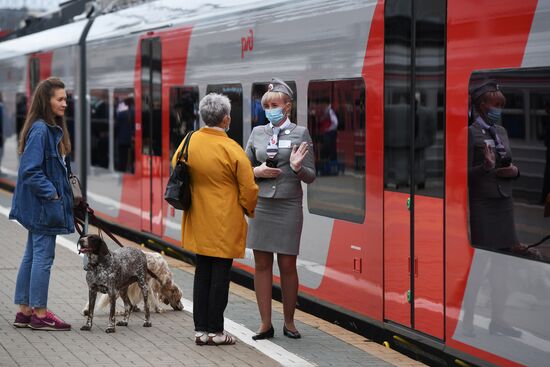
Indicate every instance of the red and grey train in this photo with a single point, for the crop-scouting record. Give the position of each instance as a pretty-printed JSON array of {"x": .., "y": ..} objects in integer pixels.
[{"x": 383, "y": 87}]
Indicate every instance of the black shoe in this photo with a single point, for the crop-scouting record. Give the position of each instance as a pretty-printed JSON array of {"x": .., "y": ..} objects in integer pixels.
[
  {"x": 503, "y": 329},
  {"x": 264, "y": 335},
  {"x": 291, "y": 334}
]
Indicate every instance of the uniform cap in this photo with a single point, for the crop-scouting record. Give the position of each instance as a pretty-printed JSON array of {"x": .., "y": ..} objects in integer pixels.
[
  {"x": 485, "y": 86},
  {"x": 277, "y": 85}
]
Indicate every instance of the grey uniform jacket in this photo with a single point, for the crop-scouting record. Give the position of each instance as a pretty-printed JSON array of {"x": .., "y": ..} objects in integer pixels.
[
  {"x": 484, "y": 184},
  {"x": 288, "y": 183}
]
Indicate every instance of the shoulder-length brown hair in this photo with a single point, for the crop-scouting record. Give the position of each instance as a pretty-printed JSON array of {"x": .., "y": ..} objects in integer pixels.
[{"x": 41, "y": 108}]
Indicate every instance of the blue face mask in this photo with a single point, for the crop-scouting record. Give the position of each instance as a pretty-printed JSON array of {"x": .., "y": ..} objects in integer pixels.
[
  {"x": 494, "y": 115},
  {"x": 275, "y": 115}
]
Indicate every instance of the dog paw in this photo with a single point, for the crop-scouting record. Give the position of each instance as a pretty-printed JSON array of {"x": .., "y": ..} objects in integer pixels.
[
  {"x": 147, "y": 324},
  {"x": 122, "y": 323},
  {"x": 110, "y": 330},
  {"x": 178, "y": 307},
  {"x": 86, "y": 328}
]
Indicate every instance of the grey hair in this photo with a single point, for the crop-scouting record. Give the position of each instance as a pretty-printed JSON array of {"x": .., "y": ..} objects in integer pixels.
[{"x": 213, "y": 108}]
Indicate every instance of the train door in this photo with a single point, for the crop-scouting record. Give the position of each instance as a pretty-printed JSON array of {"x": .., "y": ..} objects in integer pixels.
[
  {"x": 151, "y": 136},
  {"x": 414, "y": 166}
]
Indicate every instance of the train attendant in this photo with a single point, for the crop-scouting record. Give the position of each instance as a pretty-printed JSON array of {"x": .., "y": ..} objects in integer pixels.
[
  {"x": 222, "y": 192},
  {"x": 42, "y": 202},
  {"x": 491, "y": 172},
  {"x": 490, "y": 181},
  {"x": 282, "y": 156}
]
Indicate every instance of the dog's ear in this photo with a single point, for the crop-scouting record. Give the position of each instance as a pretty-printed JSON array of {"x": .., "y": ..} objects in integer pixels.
[
  {"x": 99, "y": 246},
  {"x": 103, "y": 249}
]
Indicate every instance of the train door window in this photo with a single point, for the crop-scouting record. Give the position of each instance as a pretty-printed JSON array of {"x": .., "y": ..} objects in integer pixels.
[
  {"x": 151, "y": 96},
  {"x": 99, "y": 118},
  {"x": 20, "y": 111},
  {"x": 1, "y": 125},
  {"x": 518, "y": 205},
  {"x": 257, "y": 114},
  {"x": 184, "y": 116},
  {"x": 34, "y": 72},
  {"x": 235, "y": 94},
  {"x": 336, "y": 121},
  {"x": 69, "y": 118},
  {"x": 124, "y": 130}
]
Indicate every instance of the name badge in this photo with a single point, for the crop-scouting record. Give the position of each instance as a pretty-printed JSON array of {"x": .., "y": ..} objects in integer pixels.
[{"x": 285, "y": 144}]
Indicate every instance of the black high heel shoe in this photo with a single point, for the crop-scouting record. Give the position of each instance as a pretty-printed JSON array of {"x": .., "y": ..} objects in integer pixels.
[
  {"x": 264, "y": 335},
  {"x": 291, "y": 334}
]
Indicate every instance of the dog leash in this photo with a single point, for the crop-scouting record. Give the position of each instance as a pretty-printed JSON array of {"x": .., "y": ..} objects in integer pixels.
[
  {"x": 544, "y": 239},
  {"x": 81, "y": 225}
]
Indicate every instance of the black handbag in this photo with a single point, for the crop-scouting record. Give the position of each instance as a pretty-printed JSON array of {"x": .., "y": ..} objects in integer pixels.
[{"x": 178, "y": 190}]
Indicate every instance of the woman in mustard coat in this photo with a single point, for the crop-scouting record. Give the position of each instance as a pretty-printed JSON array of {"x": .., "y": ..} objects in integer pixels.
[{"x": 222, "y": 192}]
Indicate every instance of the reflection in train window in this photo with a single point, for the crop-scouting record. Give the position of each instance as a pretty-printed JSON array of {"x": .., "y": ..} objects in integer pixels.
[
  {"x": 336, "y": 122},
  {"x": 257, "y": 113},
  {"x": 69, "y": 118},
  {"x": 20, "y": 111},
  {"x": 510, "y": 208},
  {"x": 34, "y": 73},
  {"x": 124, "y": 130},
  {"x": 235, "y": 93},
  {"x": 99, "y": 118},
  {"x": 184, "y": 116},
  {"x": 1, "y": 126}
]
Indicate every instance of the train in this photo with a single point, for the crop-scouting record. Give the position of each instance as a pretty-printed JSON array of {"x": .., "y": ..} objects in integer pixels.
[{"x": 383, "y": 87}]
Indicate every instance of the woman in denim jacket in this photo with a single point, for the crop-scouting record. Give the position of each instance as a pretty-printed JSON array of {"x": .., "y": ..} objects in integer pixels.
[{"x": 42, "y": 201}]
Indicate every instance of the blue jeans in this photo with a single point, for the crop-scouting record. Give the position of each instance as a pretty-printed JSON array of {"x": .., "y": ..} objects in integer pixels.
[{"x": 33, "y": 278}]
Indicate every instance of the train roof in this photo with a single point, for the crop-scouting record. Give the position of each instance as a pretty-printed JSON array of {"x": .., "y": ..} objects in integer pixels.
[
  {"x": 53, "y": 38},
  {"x": 167, "y": 13}
]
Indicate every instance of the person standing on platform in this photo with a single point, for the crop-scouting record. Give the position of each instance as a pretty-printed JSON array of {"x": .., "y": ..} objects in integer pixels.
[
  {"x": 282, "y": 155},
  {"x": 223, "y": 191},
  {"x": 42, "y": 202}
]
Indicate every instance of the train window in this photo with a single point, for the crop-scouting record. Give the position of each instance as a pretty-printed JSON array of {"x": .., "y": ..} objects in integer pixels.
[
  {"x": 257, "y": 114},
  {"x": 510, "y": 134},
  {"x": 184, "y": 114},
  {"x": 20, "y": 111},
  {"x": 69, "y": 118},
  {"x": 99, "y": 118},
  {"x": 124, "y": 130},
  {"x": 1, "y": 125},
  {"x": 336, "y": 121},
  {"x": 235, "y": 94},
  {"x": 151, "y": 97},
  {"x": 34, "y": 73}
]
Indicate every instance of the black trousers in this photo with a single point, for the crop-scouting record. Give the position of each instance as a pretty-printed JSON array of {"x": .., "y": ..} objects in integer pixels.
[{"x": 210, "y": 292}]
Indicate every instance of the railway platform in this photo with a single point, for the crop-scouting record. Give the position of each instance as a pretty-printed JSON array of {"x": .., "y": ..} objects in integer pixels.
[{"x": 170, "y": 342}]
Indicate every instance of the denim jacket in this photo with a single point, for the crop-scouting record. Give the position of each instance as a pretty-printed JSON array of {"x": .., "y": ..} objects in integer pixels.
[{"x": 42, "y": 175}]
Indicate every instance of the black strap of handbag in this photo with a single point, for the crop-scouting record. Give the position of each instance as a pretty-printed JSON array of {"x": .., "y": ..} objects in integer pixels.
[{"x": 185, "y": 150}]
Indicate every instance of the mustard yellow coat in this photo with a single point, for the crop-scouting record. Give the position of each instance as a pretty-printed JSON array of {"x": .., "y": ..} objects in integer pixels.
[{"x": 222, "y": 192}]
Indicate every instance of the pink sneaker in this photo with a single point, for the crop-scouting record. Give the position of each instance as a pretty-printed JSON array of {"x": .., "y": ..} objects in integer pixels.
[
  {"x": 50, "y": 322},
  {"x": 22, "y": 320}
]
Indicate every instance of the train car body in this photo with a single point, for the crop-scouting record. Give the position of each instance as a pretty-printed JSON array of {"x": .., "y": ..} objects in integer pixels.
[{"x": 386, "y": 223}]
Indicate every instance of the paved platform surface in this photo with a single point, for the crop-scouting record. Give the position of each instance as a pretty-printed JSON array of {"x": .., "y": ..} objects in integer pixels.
[{"x": 170, "y": 342}]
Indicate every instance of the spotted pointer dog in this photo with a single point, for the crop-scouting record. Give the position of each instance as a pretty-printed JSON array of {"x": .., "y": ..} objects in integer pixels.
[{"x": 112, "y": 273}]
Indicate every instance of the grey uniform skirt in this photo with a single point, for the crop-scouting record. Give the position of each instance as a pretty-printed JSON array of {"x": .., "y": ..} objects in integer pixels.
[
  {"x": 492, "y": 224},
  {"x": 276, "y": 226}
]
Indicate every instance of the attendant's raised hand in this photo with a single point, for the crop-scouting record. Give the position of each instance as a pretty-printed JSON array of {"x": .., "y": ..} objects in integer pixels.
[{"x": 297, "y": 156}]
